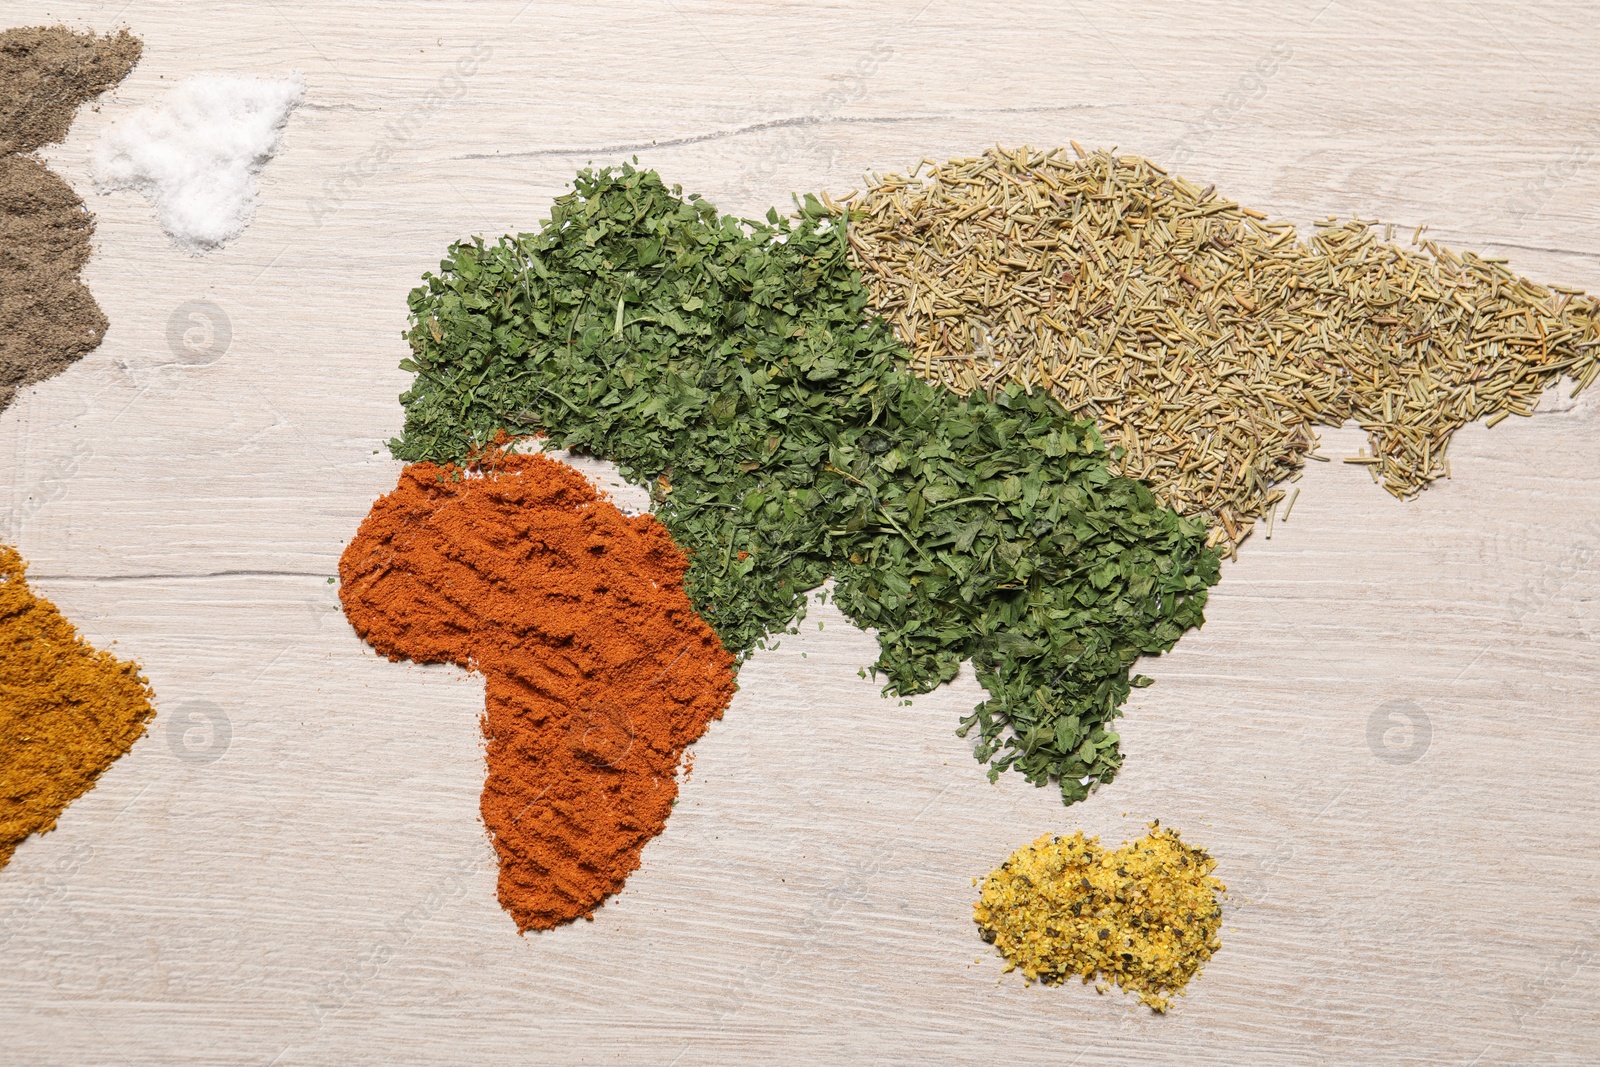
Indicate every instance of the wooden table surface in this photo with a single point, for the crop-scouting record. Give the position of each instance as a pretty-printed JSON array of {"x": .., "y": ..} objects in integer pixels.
[{"x": 290, "y": 867}]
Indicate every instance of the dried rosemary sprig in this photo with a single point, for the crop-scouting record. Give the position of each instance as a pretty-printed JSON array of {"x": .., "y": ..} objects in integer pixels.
[{"x": 1204, "y": 340}]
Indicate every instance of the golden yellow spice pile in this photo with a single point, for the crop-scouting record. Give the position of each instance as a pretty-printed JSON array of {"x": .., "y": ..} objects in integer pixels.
[
  {"x": 67, "y": 710},
  {"x": 1144, "y": 916},
  {"x": 1204, "y": 340}
]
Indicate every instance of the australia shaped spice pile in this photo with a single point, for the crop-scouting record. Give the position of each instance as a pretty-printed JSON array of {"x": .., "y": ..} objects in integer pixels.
[{"x": 1145, "y": 916}]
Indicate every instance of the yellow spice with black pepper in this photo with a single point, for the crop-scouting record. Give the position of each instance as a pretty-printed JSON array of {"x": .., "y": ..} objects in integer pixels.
[{"x": 1145, "y": 916}]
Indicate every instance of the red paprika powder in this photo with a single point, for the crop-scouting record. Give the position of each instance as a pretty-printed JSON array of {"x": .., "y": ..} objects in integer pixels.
[{"x": 599, "y": 673}]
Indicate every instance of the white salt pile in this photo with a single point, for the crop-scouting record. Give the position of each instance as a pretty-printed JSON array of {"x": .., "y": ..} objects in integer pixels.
[{"x": 196, "y": 153}]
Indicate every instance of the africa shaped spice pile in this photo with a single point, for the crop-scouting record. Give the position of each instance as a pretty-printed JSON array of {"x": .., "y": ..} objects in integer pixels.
[
  {"x": 599, "y": 673},
  {"x": 796, "y": 422}
]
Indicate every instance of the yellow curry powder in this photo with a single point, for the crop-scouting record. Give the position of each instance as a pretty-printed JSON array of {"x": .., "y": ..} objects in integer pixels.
[
  {"x": 67, "y": 710},
  {"x": 1145, "y": 916}
]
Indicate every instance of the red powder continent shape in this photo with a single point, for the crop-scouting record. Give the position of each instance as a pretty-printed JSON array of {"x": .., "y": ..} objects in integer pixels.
[{"x": 599, "y": 672}]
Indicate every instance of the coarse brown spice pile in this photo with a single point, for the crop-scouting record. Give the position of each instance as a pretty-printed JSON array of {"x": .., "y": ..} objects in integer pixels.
[
  {"x": 1145, "y": 916},
  {"x": 1205, "y": 340}
]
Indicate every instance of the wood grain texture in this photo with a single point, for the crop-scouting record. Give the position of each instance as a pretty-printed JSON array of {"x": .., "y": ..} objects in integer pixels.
[{"x": 323, "y": 893}]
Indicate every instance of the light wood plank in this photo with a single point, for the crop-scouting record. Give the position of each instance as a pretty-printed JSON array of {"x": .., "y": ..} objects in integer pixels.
[{"x": 323, "y": 893}]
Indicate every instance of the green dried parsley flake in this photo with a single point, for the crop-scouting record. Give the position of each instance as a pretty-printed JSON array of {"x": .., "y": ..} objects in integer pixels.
[
  {"x": 1145, "y": 916},
  {"x": 732, "y": 366}
]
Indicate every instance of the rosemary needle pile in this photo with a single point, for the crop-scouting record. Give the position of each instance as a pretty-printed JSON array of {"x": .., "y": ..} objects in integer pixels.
[
  {"x": 1144, "y": 916},
  {"x": 1205, "y": 340}
]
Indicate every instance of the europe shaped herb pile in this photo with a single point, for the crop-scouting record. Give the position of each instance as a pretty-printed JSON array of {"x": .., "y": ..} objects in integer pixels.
[{"x": 732, "y": 365}]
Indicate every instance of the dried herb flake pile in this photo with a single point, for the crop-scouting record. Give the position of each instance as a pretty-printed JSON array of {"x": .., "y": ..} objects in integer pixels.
[
  {"x": 1203, "y": 340},
  {"x": 1145, "y": 916},
  {"x": 733, "y": 366}
]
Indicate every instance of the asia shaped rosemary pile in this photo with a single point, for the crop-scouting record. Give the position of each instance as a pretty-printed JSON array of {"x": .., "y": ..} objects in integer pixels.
[
  {"x": 1205, "y": 341},
  {"x": 1145, "y": 916},
  {"x": 732, "y": 365}
]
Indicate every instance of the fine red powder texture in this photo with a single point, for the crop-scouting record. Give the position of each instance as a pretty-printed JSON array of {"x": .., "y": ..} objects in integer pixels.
[{"x": 599, "y": 672}]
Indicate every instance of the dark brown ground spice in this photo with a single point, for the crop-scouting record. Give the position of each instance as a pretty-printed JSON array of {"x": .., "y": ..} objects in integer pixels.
[{"x": 48, "y": 319}]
